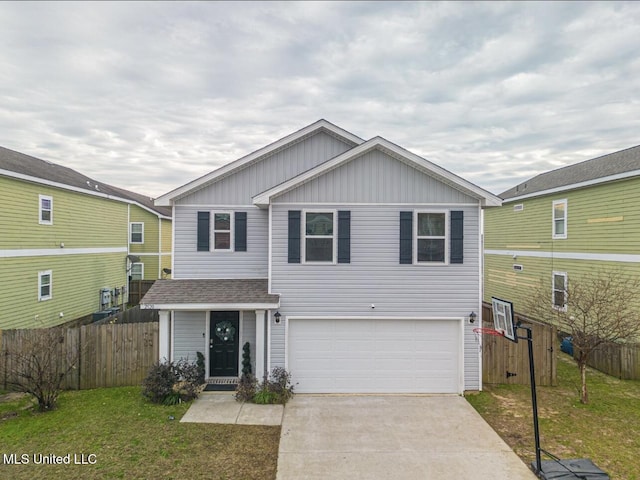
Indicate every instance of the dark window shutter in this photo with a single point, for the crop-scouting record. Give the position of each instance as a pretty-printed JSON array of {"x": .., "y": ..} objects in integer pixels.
[
  {"x": 294, "y": 236},
  {"x": 457, "y": 236},
  {"x": 406, "y": 237},
  {"x": 344, "y": 236},
  {"x": 240, "y": 242},
  {"x": 203, "y": 231}
]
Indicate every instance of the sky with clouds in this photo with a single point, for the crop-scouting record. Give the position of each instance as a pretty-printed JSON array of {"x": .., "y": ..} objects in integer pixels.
[{"x": 151, "y": 95}]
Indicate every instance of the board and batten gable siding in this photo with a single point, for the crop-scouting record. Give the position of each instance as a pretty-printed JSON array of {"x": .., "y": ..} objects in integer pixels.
[
  {"x": 240, "y": 187},
  {"x": 375, "y": 276},
  {"x": 188, "y": 262},
  {"x": 601, "y": 219},
  {"x": 189, "y": 335},
  {"x": 79, "y": 221},
  {"x": 374, "y": 177}
]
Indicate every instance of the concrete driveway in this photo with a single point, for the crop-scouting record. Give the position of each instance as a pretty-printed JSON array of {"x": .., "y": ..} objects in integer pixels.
[{"x": 392, "y": 437}]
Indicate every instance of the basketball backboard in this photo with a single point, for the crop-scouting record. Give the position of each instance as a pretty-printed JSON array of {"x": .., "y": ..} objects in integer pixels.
[{"x": 503, "y": 318}]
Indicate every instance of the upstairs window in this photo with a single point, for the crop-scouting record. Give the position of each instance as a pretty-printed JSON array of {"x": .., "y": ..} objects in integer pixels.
[
  {"x": 559, "y": 219},
  {"x": 137, "y": 232},
  {"x": 44, "y": 285},
  {"x": 319, "y": 245},
  {"x": 45, "y": 210},
  {"x": 559, "y": 291},
  {"x": 431, "y": 237},
  {"x": 222, "y": 231}
]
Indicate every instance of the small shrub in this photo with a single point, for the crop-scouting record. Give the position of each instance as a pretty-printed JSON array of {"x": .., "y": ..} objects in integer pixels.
[
  {"x": 276, "y": 388},
  {"x": 246, "y": 359},
  {"x": 170, "y": 383},
  {"x": 159, "y": 382},
  {"x": 265, "y": 397},
  {"x": 246, "y": 389},
  {"x": 200, "y": 364}
]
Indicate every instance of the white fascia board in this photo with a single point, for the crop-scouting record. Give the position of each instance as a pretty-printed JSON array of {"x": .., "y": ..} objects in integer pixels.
[
  {"x": 166, "y": 199},
  {"x": 209, "y": 306},
  {"x": 71, "y": 188},
  {"x": 486, "y": 198},
  {"x": 573, "y": 186}
]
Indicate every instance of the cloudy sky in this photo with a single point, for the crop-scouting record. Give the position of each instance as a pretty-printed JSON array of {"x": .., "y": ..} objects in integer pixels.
[{"x": 149, "y": 96}]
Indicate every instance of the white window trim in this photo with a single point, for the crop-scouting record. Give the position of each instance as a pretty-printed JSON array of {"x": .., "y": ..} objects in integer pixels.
[
  {"x": 141, "y": 270},
  {"x": 40, "y": 210},
  {"x": 42, "y": 298},
  {"x": 334, "y": 237},
  {"x": 446, "y": 237},
  {"x": 131, "y": 233},
  {"x": 232, "y": 233},
  {"x": 553, "y": 219},
  {"x": 553, "y": 290}
]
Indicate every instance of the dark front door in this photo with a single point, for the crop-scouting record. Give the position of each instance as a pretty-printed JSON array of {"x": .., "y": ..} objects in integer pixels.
[{"x": 223, "y": 344}]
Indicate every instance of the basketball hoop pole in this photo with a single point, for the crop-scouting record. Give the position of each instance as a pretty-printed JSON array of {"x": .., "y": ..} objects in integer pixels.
[{"x": 534, "y": 399}]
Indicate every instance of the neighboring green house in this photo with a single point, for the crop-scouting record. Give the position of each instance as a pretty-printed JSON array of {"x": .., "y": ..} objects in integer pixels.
[
  {"x": 65, "y": 243},
  {"x": 559, "y": 225}
]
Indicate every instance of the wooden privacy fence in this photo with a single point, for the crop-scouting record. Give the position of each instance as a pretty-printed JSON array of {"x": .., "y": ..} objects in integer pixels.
[
  {"x": 618, "y": 360},
  {"x": 131, "y": 315},
  {"x": 137, "y": 290},
  {"x": 507, "y": 362},
  {"x": 106, "y": 355}
]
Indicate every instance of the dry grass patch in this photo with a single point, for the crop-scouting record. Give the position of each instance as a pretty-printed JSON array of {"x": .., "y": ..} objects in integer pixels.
[
  {"x": 605, "y": 430},
  {"x": 133, "y": 439}
]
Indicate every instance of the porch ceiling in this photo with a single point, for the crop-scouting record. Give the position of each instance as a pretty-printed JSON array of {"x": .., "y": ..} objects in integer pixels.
[{"x": 210, "y": 294}]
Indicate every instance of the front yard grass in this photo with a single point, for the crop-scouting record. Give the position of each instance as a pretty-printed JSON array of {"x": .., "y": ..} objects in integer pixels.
[
  {"x": 131, "y": 438},
  {"x": 605, "y": 430}
]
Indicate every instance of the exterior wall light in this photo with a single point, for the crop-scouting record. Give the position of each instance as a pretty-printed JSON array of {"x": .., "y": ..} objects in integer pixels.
[
  {"x": 472, "y": 317},
  {"x": 276, "y": 318}
]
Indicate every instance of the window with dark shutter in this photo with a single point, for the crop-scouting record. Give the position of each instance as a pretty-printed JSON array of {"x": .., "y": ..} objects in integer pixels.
[
  {"x": 203, "y": 231},
  {"x": 457, "y": 236},
  {"x": 294, "y": 236},
  {"x": 241, "y": 231},
  {"x": 406, "y": 237},
  {"x": 344, "y": 236}
]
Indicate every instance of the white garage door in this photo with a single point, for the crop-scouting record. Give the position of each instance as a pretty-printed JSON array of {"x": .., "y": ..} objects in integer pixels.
[{"x": 375, "y": 356}]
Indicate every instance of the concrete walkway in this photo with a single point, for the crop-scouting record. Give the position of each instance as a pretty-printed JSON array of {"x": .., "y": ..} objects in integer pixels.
[
  {"x": 215, "y": 407},
  {"x": 392, "y": 437}
]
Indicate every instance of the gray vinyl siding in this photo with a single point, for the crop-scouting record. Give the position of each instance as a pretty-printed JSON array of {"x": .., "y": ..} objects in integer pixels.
[
  {"x": 189, "y": 263},
  {"x": 375, "y": 276},
  {"x": 249, "y": 335},
  {"x": 189, "y": 329},
  {"x": 239, "y": 188},
  {"x": 375, "y": 177}
]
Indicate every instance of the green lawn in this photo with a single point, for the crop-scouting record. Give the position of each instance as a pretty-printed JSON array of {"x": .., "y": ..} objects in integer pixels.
[
  {"x": 607, "y": 430},
  {"x": 131, "y": 438}
]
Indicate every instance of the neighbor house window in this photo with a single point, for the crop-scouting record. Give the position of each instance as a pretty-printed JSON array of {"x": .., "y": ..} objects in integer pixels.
[
  {"x": 560, "y": 219},
  {"x": 45, "y": 210},
  {"x": 319, "y": 236},
  {"x": 559, "y": 294},
  {"x": 137, "y": 232},
  {"x": 431, "y": 237},
  {"x": 137, "y": 271},
  {"x": 222, "y": 230},
  {"x": 44, "y": 285}
]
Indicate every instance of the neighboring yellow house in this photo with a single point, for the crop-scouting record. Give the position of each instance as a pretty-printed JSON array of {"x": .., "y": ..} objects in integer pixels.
[{"x": 68, "y": 244}]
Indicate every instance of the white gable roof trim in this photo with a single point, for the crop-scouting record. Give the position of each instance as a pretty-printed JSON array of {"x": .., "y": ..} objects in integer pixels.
[
  {"x": 486, "y": 198},
  {"x": 226, "y": 170}
]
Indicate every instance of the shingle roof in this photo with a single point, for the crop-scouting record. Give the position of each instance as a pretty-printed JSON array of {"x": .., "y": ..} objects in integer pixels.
[
  {"x": 210, "y": 291},
  {"x": 612, "y": 164},
  {"x": 35, "y": 167}
]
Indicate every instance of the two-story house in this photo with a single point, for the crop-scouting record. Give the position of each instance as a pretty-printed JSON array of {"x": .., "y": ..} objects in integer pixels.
[
  {"x": 562, "y": 224},
  {"x": 353, "y": 264},
  {"x": 68, "y": 244}
]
